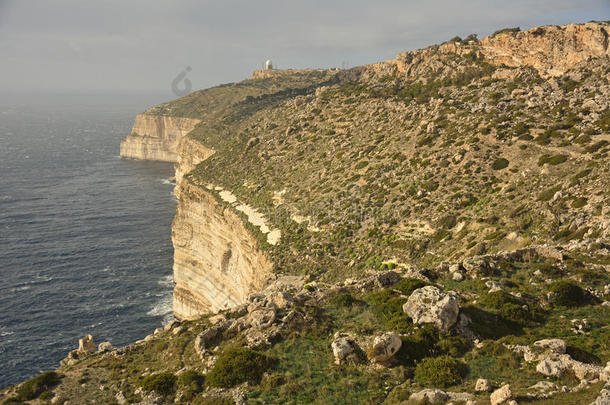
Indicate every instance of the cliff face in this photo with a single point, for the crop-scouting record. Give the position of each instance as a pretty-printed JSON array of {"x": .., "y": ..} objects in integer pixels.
[
  {"x": 156, "y": 137},
  {"x": 217, "y": 262},
  {"x": 552, "y": 50},
  {"x": 190, "y": 153}
]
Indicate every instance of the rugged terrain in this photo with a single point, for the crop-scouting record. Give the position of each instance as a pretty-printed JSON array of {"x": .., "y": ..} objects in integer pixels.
[{"x": 435, "y": 222}]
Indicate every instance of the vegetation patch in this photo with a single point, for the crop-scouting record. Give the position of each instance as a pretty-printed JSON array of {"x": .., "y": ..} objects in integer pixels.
[
  {"x": 442, "y": 371},
  {"x": 237, "y": 365}
]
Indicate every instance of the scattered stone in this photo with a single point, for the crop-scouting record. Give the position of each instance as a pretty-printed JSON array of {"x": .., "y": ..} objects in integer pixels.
[
  {"x": 86, "y": 345},
  {"x": 544, "y": 386},
  {"x": 482, "y": 385},
  {"x": 120, "y": 398},
  {"x": 501, "y": 395},
  {"x": 558, "y": 346},
  {"x": 457, "y": 276},
  {"x": 385, "y": 347},
  {"x": 432, "y": 396},
  {"x": 344, "y": 348},
  {"x": 429, "y": 305},
  {"x": 105, "y": 347}
]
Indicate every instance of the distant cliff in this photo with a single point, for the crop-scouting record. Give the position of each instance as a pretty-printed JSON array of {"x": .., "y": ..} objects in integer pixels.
[{"x": 156, "y": 137}]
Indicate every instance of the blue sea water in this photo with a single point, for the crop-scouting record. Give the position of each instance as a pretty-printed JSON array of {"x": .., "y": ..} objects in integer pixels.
[{"x": 84, "y": 235}]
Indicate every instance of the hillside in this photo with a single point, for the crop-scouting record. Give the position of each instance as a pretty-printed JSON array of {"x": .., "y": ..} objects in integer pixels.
[{"x": 437, "y": 221}]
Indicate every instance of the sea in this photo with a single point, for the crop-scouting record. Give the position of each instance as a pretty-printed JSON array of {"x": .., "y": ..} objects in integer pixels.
[{"x": 85, "y": 236}]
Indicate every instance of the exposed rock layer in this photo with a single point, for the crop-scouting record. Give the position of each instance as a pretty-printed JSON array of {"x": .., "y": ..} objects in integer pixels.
[
  {"x": 156, "y": 137},
  {"x": 217, "y": 262}
]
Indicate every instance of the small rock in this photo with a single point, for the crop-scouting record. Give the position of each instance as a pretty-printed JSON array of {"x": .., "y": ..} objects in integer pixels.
[
  {"x": 343, "y": 348},
  {"x": 385, "y": 347},
  {"x": 431, "y": 396},
  {"x": 457, "y": 276},
  {"x": 86, "y": 345},
  {"x": 501, "y": 395},
  {"x": 105, "y": 347},
  {"x": 482, "y": 385},
  {"x": 120, "y": 398}
]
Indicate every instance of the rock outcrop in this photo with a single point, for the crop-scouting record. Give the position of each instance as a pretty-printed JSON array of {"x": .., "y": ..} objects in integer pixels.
[
  {"x": 156, "y": 137},
  {"x": 429, "y": 305},
  {"x": 552, "y": 50},
  {"x": 217, "y": 261}
]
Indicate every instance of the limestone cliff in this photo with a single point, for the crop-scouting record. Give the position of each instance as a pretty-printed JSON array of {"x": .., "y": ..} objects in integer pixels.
[
  {"x": 190, "y": 154},
  {"x": 156, "y": 137},
  {"x": 217, "y": 262},
  {"x": 551, "y": 50}
]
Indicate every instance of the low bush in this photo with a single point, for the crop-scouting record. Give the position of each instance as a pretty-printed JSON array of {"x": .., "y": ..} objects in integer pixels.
[
  {"x": 552, "y": 160},
  {"x": 343, "y": 300},
  {"x": 579, "y": 202},
  {"x": 237, "y": 365},
  {"x": 33, "y": 387},
  {"x": 567, "y": 294},
  {"x": 500, "y": 164},
  {"x": 417, "y": 346},
  {"x": 163, "y": 384},
  {"x": 442, "y": 371},
  {"x": 191, "y": 382},
  {"x": 408, "y": 285}
]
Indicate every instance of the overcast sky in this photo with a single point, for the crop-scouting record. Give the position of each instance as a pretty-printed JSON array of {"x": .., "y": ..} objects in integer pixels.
[{"x": 142, "y": 45}]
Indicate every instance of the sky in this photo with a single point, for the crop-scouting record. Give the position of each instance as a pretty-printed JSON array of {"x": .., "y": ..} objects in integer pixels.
[{"x": 135, "y": 45}]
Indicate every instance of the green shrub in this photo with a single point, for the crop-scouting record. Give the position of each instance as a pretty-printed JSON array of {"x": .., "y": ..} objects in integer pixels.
[
  {"x": 386, "y": 305},
  {"x": 506, "y": 31},
  {"x": 453, "y": 345},
  {"x": 237, "y": 365},
  {"x": 33, "y": 387},
  {"x": 192, "y": 381},
  {"x": 408, "y": 285},
  {"x": 500, "y": 164},
  {"x": 497, "y": 299},
  {"x": 442, "y": 371},
  {"x": 163, "y": 384},
  {"x": 344, "y": 300},
  {"x": 552, "y": 160},
  {"x": 567, "y": 294},
  {"x": 579, "y": 202},
  {"x": 417, "y": 346},
  {"x": 547, "y": 194}
]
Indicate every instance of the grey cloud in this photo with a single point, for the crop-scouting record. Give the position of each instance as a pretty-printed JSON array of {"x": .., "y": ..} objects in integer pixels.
[{"x": 140, "y": 45}]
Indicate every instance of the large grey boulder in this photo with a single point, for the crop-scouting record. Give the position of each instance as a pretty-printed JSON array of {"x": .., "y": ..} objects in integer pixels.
[{"x": 429, "y": 305}]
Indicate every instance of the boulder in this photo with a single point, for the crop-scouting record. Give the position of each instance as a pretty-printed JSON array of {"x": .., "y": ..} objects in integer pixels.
[
  {"x": 385, "y": 347},
  {"x": 429, "y": 305},
  {"x": 457, "y": 276},
  {"x": 86, "y": 345},
  {"x": 501, "y": 395},
  {"x": 482, "y": 385},
  {"x": 554, "y": 365},
  {"x": 105, "y": 347},
  {"x": 344, "y": 348},
  {"x": 558, "y": 346},
  {"x": 262, "y": 317},
  {"x": 430, "y": 396}
]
